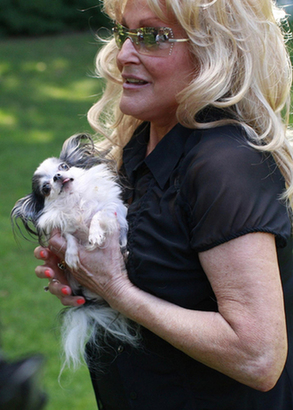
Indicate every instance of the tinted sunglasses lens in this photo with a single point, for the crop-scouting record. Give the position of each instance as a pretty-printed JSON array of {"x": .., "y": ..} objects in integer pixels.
[
  {"x": 146, "y": 40},
  {"x": 120, "y": 36}
]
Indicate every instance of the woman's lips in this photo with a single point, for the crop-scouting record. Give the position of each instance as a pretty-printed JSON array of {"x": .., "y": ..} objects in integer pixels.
[{"x": 133, "y": 82}]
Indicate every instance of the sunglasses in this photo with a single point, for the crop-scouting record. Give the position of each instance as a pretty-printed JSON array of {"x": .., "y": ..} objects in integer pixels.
[{"x": 151, "y": 41}]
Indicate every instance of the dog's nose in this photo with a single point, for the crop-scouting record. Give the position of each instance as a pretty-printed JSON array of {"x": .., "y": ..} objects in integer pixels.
[{"x": 57, "y": 177}]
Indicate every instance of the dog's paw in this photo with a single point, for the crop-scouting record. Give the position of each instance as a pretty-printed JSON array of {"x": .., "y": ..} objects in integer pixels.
[
  {"x": 72, "y": 260},
  {"x": 97, "y": 240},
  {"x": 97, "y": 236},
  {"x": 71, "y": 255},
  {"x": 97, "y": 233}
]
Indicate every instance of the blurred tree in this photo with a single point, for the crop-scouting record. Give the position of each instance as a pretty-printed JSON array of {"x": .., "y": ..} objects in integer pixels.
[{"x": 38, "y": 17}]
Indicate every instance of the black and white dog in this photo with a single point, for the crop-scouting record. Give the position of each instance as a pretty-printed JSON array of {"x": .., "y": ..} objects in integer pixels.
[{"x": 78, "y": 194}]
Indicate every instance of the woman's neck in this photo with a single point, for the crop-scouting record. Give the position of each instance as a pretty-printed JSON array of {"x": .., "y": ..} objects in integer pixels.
[{"x": 157, "y": 133}]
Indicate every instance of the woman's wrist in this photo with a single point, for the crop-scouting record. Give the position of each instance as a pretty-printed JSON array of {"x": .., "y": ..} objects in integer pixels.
[{"x": 124, "y": 297}]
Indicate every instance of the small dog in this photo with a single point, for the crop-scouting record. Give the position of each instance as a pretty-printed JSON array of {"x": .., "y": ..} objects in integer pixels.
[{"x": 78, "y": 194}]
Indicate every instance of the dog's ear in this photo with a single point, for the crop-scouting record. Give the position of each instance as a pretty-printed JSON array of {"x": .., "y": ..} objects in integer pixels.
[
  {"x": 80, "y": 151},
  {"x": 27, "y": 210}
]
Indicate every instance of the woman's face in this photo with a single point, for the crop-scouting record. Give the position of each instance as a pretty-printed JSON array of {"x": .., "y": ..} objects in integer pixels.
[{"x": 151, "y": 83}]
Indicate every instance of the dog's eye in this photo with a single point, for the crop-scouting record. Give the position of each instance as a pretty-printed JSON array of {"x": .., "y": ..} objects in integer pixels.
[
  {"x": 63, "y": 167},
  {"x": 46, "y": 189}
]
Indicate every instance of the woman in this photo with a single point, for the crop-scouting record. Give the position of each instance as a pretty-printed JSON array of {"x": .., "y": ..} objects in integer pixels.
[{"x": 197, "y": 129}]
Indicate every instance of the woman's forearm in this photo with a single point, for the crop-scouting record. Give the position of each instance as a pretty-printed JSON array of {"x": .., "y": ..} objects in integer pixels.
[
  {"x": 246, "y": 339},
  {"x": 208, "y": 338}
]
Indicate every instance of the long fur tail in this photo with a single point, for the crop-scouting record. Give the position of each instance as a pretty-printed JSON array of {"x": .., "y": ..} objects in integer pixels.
[{"x": 93, "y": 323}]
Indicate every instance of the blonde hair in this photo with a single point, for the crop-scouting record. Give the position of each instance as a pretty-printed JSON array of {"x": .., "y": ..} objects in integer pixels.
[{"x": 243, "y": 68}]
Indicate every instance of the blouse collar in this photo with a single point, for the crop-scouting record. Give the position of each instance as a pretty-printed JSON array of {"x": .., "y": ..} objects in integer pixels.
[{"x": 163, "y": 159}]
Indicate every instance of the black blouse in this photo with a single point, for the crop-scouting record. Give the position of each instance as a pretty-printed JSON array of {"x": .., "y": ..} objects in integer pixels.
[{"x": 196, "y": 190}]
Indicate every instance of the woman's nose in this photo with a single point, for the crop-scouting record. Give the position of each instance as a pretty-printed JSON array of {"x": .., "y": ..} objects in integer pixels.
[{"x": 128, "y": 53}]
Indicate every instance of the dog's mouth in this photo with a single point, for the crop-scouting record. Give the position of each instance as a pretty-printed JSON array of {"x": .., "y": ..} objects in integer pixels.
[
  {"x": 64, "y": 183},
  {"x": 66, "y": 180}
]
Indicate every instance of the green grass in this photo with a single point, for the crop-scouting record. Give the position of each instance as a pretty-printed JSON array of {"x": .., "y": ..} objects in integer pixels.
[{"x": 46, "y": 89}]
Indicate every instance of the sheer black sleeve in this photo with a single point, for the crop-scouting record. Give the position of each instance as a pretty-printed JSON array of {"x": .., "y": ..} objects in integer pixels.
[{"x": 231, "y": 189}]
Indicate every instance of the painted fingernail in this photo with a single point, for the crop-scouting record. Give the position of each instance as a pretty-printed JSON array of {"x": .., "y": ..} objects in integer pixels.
[
  {"x": 80, "y": 301},
  {"x": 65, "y": 291},
  {"x": 42, "y": 254},
  {"x": 48, "y": 274}
]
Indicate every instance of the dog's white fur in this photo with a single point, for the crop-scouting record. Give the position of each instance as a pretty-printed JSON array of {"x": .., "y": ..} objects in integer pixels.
[
  {"x": 86, "y": 208},
  {"x": 84, "y": 204}
]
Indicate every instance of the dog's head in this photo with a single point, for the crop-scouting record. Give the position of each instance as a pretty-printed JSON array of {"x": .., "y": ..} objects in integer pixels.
[{"x": 54, "y": 178}]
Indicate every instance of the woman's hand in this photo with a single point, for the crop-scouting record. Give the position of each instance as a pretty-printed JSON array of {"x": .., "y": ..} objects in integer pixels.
[
  {"x": 58, "y": 284},
  {"x": 101, "y": 270}
]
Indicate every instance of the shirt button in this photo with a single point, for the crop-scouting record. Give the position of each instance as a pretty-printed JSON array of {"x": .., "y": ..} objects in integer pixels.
[
  {"x": 133, "y": 395},
  {"x": 120, "y": 349}
]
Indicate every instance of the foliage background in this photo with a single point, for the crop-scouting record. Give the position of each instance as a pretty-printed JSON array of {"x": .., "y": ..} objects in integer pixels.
[{"x": 39, "y": 17}]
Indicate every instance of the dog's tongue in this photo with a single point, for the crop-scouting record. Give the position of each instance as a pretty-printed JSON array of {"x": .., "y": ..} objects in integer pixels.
[{"x": 65, "y": 180}]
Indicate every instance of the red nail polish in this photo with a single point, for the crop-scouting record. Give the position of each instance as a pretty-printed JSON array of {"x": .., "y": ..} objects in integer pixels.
[
  {"x": 48, "y": 274},
  {"x": 65, "y": 291},
  {"x": 80, "y": 301},
  {"x": 42, "y": 254}
]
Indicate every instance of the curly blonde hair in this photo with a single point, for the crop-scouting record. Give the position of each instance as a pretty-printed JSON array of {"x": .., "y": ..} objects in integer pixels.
[{"x": 244, "y": 69}]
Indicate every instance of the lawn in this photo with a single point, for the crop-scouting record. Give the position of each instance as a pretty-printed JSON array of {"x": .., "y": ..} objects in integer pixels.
[{"x": 46, "y": 88}]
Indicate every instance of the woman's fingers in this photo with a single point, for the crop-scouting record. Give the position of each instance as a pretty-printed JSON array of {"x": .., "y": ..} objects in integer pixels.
[
  {"x": 50, "y": 269},
  {"x": 57, "y": 248},
  {"x": 44, "y": 272},
  {"x": 63, "y": 293},
  {"x": 58, "y": 244},
  {"x": 58, "y": 284},
  {"x": 59, "y": 289},
  {"x": 41, "y": 253}
]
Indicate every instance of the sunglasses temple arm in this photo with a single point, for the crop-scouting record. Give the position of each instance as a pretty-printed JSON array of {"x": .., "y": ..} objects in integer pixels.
[{"x": 178, "y": 40}]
